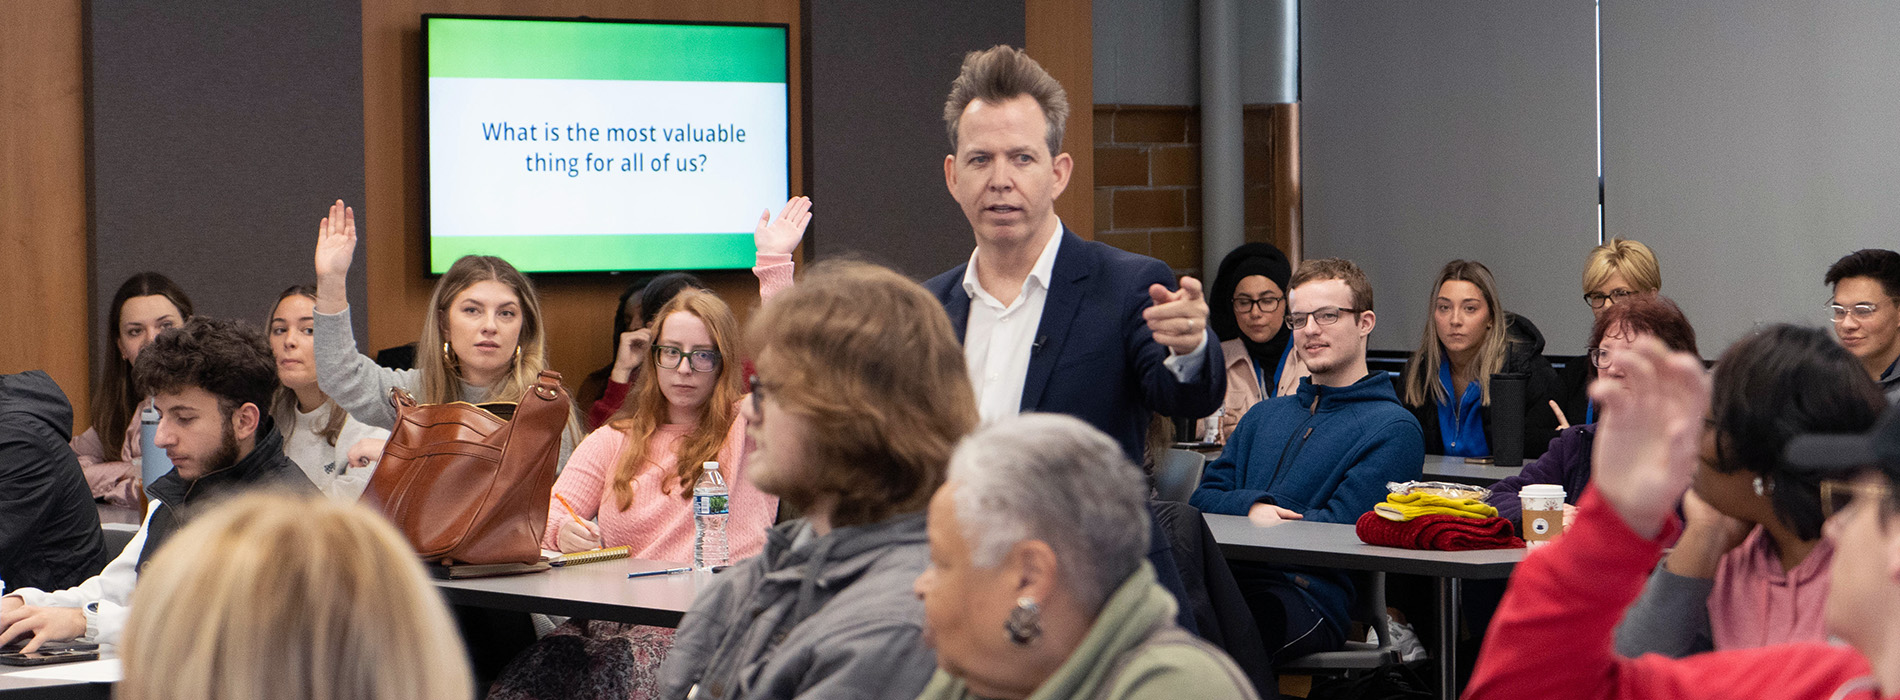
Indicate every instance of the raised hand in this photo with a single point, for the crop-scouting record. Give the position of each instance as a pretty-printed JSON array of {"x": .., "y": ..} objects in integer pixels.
[
  {"x": 631, "y": 351},
  {"x": 781, "y": 235},
  {"x": 336, "y": 246},
  {"x": 1178, "y": 319},
  {"x": 1649, "y": 433}
]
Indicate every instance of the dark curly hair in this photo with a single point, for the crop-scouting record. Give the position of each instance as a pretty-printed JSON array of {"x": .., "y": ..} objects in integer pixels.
[{"x": 226, "y": 358}]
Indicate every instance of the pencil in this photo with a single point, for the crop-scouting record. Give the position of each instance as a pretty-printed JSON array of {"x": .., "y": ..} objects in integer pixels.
[{"x": 570, "y": 510}]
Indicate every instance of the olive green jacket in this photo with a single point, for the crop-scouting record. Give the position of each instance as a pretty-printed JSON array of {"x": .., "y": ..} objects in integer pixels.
[{"x": 1133, "y": 652}]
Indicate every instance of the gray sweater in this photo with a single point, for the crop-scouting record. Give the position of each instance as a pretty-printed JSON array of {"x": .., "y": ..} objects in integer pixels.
[
  {"x": 1671, "y": 618},
  {"x": 360, "y": 386},
  {"x": 827, "y": 617}
]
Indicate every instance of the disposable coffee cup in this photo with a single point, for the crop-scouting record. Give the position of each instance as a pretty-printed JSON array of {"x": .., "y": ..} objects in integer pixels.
[{"x": 1543, "y": 513}]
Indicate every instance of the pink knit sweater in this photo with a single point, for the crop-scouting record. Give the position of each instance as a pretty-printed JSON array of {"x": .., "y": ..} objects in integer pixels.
[{"x": 659, "y": 525}]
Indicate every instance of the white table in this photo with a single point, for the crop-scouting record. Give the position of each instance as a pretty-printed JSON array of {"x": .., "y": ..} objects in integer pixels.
[
  {"x": 597, "y": 591},
  {"x": 12, "y": 686},
  {"x": 1337, "y": 546}
]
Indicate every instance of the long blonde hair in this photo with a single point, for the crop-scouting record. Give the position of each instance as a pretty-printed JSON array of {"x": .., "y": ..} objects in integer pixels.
[
  {"x": 1421, "y": 371},
  {"x": 645, "y": 411},
  {"x": 440, "y": 383},
  {"x": 289, "y": 598}
]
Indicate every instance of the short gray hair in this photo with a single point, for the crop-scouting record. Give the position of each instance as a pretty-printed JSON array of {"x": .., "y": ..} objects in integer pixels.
[
  {"x": 1053, "y": 478},
  {"x": 1000, "y": 73}
]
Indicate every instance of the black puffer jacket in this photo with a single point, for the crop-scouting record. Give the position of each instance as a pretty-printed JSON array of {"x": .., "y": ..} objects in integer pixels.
[
  {"x": 49, "y": 528},
  {"x": 1523, "y": 354}
]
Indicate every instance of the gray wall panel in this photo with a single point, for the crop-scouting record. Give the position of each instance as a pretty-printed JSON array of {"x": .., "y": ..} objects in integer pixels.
[
  {"x": 1456, "y": 129},
  {"x": 218, "y": 134},
  {"x": 1751, "y": 143},
  {"x": 879, "y": 74},
  {"x": 1147, "y": 52}
]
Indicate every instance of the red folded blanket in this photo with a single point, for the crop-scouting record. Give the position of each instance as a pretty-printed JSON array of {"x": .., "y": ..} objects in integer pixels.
[{"x": 1444, "y": 533}]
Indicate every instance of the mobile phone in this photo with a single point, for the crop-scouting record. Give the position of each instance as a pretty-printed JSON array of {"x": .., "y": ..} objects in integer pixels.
[
  {"x": 18, "y": 644},
  {"x": 42, "y": 658},
  {"x": 1485, "y": 461}
]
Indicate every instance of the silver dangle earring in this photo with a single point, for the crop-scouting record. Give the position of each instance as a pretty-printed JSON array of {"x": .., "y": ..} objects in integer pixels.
[
  {"x": 1763, "y": 488},
  {"x": 1025, "y": 622}
]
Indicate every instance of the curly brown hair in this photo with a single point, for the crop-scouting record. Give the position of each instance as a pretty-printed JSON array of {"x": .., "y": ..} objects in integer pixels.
[{"x": 226, "y": 358}]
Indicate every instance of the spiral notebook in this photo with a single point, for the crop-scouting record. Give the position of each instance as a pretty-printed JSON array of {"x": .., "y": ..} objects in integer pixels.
[{"x": 591, "y": 556}]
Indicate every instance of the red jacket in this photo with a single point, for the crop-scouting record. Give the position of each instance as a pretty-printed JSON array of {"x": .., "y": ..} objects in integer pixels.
[{"x": 1551, "y": 637}]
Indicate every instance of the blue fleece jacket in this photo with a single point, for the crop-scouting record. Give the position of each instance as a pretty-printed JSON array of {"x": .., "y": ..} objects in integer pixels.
[{"x": 1324, "y": 452}]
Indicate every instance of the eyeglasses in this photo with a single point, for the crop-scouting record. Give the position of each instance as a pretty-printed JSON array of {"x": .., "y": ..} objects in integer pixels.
[
  {"x": 1598, "y": 300},
  {"x": 1599, "y": 358},
  {"x": 1838, "y": 494},
  {"x": 1862, "y": 311},
  {"x": 1326, "y": 316},
  {"x": 758, "y": 389},
  {"x": 1268, "y": 304},
  {"x": 698, "y": 360}
]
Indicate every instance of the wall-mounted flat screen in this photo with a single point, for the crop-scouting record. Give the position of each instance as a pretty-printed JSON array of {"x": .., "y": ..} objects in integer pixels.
[{"x": 588, "y": 145}]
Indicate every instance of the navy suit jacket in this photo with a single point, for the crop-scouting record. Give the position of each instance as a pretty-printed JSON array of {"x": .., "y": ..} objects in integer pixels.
[{"x": 1094, "y": 357}]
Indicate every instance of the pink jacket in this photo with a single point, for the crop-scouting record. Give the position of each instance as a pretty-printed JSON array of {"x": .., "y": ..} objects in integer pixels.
[{"x": 1756, "y": 604}]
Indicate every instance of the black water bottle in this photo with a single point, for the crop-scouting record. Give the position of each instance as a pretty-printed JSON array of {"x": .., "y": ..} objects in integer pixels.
[{"x": 1507, "y": 418}]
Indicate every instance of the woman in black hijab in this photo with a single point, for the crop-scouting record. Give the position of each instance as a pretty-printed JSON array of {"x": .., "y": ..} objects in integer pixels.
[{"x": 1248, "y": 312}]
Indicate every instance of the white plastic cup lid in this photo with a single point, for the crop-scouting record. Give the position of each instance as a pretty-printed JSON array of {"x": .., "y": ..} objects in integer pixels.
[{"x": 1541, "y": 491}]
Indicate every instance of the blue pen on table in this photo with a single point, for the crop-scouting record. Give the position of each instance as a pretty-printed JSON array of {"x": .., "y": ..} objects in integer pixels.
[{"x": 661, "y": 572}]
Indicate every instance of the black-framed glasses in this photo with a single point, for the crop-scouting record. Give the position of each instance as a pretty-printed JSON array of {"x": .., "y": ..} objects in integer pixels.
[
  {"x": 1862, "y": 311},
  {"x": 699, "y": 360},
  {"x": 1599, "y": 357},
  {"x": 1838, "y": 494},
  {"x": 1326, "y": 316},
  {"x": 1598, "y": 300},
  {"x": 1268, "y": 304}
]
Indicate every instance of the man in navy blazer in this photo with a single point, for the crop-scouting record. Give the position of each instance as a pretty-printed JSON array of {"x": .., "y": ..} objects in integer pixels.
[{"x": 1051, "y": 322}]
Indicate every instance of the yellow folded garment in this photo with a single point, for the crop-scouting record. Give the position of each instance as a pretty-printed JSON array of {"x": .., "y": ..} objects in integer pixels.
[{"x": 1403, "y": 507}]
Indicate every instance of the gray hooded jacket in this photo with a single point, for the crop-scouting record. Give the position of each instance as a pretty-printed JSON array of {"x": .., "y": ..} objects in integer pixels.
[{"x": 832, "y": 617}]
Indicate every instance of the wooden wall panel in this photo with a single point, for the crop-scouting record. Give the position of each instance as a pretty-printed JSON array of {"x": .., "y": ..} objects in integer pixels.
[
  {"x": 1059, "y": 36},
  {"x": 579, "y": 308},
  {"x": 43, "y": 195}
]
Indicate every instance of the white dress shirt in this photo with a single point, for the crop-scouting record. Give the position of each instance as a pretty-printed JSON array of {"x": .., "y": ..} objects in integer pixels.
[{"x": 998, "y": 338}]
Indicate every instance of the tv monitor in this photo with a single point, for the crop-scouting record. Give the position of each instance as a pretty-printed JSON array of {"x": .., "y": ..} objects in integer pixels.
[{"x": 581, "y": 145}]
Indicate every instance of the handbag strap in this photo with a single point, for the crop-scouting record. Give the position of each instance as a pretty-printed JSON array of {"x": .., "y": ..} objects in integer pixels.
[
  {"x": 548, "y": 386},
  {"x": 400, "y": 398}
]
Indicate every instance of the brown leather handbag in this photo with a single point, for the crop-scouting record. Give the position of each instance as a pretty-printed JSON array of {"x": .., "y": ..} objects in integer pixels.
[{"x": 469, "y": 484}]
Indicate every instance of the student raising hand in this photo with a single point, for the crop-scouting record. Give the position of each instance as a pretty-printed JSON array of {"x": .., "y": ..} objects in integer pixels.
[
  {"x": 1649, "y": 433},
  {"x": 781, "y": 235},
  {"x": 336, "y": 245}
]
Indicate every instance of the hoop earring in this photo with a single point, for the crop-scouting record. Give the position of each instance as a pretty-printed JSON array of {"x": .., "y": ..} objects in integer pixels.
[
  {"x": 1025, "y": 622},
  {"x": 448, "y": 357}
]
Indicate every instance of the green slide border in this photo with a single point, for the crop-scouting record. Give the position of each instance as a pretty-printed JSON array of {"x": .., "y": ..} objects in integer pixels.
[
  {"x": 463, "y": 47},
  {"x": 601, "y": 253}
]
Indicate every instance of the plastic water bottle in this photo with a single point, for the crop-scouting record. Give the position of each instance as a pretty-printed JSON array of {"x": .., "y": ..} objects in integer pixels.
[
  {"x": 710, "y": 512},
  {"x": 153, "y": 462}
]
